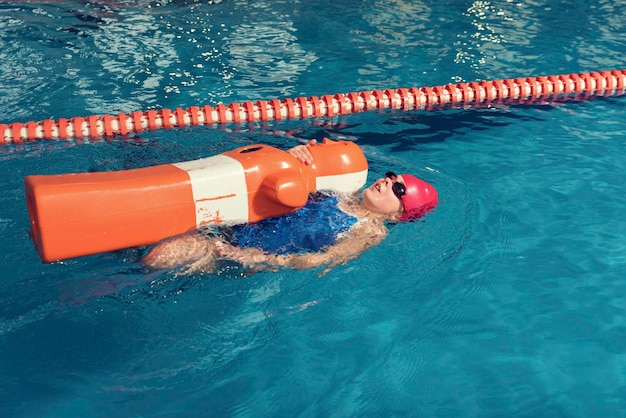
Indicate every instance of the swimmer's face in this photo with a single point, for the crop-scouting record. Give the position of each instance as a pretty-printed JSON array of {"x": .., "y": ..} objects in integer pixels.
[{"x": 380, "y": 197}]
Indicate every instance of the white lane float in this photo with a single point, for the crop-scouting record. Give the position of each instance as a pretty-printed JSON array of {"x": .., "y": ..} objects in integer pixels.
[{"x": 521, "y": 90}]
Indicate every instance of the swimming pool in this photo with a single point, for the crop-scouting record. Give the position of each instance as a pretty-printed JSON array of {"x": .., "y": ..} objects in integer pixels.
[{"x": 507, "y": 300}]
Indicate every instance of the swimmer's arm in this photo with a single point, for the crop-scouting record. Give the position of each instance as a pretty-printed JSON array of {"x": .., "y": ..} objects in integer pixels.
[
  {"x": 250, "y": 257},
  {"x": 360, "y": 238}
]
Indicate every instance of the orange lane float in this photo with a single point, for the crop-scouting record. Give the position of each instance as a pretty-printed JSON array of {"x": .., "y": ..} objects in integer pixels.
[
  {"x": 523, "y": 90},
  {"x": 73, "y": 215}
]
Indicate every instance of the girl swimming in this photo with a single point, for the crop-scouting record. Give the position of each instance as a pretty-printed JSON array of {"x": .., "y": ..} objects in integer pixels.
[{"x": 330, "y": 230}]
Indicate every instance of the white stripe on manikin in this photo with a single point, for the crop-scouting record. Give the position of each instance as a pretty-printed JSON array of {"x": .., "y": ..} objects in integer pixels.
[
  {"x": 343, "y": 183},
  {"x": 219, "y": 189}
]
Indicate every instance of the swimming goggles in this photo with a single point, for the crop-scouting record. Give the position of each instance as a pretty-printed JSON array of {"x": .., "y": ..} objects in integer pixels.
[{"x": 398, "y": 188}]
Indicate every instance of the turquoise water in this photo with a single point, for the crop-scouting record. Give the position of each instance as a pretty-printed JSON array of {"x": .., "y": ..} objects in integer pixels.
[{"x": 507, "y": 300}]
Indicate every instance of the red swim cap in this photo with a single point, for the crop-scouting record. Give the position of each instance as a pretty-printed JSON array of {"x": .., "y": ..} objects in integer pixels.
[{"x": 420, "y": 198}]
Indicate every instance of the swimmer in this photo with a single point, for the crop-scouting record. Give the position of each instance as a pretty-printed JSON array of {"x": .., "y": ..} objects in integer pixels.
[{"x": 330, "y": 230}]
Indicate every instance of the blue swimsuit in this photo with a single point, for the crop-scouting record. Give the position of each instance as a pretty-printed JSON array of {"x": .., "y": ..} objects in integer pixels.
[{"x": 309, "y": 229}]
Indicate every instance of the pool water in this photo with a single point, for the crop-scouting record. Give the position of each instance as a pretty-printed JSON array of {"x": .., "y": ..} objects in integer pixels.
[{"x": 507, "y": 300}]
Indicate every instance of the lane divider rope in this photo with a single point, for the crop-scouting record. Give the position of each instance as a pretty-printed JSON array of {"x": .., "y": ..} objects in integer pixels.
[{"x": 472, "y": 94}]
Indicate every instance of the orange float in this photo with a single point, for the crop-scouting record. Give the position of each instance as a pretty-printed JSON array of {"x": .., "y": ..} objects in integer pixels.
[{"x": 73, "y": 215}]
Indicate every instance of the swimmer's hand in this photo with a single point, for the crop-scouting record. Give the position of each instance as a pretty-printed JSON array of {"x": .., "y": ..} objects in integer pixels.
[{"x": 302, "y": 153}]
